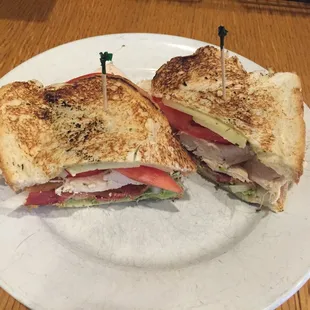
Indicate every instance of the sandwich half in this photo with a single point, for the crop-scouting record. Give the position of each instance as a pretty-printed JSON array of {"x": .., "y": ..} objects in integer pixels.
[
  {"x": 58, "y": 144},
  {"x": 252, "y": 143}
]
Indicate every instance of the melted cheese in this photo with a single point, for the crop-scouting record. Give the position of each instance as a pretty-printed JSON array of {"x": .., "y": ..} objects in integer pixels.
[{"x": 74, "y": 170}]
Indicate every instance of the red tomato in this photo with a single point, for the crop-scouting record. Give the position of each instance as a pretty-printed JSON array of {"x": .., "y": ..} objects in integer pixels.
[
  {"x": 83, "y": 76},
  {"x": 177, "y": 119},
  {"x": 152, "y": 176},
  {"x": 184, "y": 122},
  {"x": 201, "y": 132}
]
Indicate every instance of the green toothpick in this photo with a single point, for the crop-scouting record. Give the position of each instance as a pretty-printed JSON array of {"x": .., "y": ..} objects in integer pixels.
[
  {"x": 222, "y": 32},
  {"x": 104, "y": 57}
]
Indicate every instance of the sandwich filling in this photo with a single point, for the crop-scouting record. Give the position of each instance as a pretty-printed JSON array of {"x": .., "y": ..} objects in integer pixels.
[
  {"x": 231, "y": 166},
  {"x": 104, "y": 186}
]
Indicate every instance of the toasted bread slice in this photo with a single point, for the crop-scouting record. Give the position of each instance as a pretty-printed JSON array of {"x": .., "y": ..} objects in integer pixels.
[
  {"x": 44, "y": 130},
  {"x": 266, "y": 109}
]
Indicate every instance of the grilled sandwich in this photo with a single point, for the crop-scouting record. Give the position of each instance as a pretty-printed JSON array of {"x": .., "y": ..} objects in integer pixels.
[
  {"x": 60, "y": 146},
  {"x": 252, "y": 143}
]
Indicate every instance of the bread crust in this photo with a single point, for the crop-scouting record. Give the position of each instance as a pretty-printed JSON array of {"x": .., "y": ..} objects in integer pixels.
[
  {"x": 279, "y": 205},
  {"x": 301, "y": 138}
]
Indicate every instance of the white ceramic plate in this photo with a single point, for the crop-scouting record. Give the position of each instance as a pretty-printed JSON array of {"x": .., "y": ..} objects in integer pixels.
[{"x": 208, "y": 251}]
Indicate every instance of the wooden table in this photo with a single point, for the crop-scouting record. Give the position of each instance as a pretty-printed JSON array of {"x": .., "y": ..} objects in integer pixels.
[{"x": 272, "y": 33}]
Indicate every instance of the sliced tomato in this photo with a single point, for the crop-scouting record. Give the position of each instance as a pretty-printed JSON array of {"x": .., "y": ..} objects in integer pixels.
[
  {"x": 201, "y": 132},
  {"x": 178, "y": 120},
  {"x": 152, "y": 176},
  {"x": 84, "y": 174},
  {"x": 184, "y": 122},
  {"x": 83, "y": 77}
]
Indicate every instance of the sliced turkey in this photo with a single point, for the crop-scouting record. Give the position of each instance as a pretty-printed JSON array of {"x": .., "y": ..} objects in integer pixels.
[
  {"x": 219, "y": 157},
  {"x": 238, "y": 163},
  {"x": 225, "y": 155},
  {"x": 266, "y": 177}
]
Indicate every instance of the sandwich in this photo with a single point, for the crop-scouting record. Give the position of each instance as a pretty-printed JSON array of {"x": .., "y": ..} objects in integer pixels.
[
  {"x": 252, "y": 142},
  {"x": 60, "y": 147}
]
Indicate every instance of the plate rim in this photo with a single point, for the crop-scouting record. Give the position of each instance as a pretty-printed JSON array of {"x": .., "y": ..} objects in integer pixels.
[{"x": 125, "y": 34}]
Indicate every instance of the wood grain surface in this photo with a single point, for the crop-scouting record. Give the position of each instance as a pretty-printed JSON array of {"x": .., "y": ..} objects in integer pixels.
[{"x": 275, "y": 34}]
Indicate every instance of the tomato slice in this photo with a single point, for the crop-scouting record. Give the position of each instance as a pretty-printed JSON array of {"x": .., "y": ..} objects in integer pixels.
[
  {"x": 83, "y": 77},
  {"x": 152, "y": 176},
  {"x": 177, "y": 119},
  {"x": 201, "y": 132},
  {"x": 184, "y": 122},
  {"x": 84, "y": 174}
]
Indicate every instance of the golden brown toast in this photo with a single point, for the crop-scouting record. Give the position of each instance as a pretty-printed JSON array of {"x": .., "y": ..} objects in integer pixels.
[
  {"x": 44, "y": 130},
  {"x": 266, "y": 109}
]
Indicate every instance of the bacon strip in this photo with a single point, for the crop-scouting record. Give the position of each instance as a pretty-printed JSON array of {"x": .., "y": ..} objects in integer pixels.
[{"x": 49, "y": 197}]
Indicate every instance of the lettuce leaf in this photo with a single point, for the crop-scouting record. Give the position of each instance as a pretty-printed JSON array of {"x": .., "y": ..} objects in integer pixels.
[
  {"x": 91, "y": 202},
  {"x": 250, "y": 192},
  {"x": 149, "y": 194},
  {"x": 163, "y": 194}
]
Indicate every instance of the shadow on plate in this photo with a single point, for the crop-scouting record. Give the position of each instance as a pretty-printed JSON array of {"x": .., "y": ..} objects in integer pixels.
[
  {"x": 54, "y": 212},
  {"x": 30, "y": 10},
  {"x": 221, "y": 195}
]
